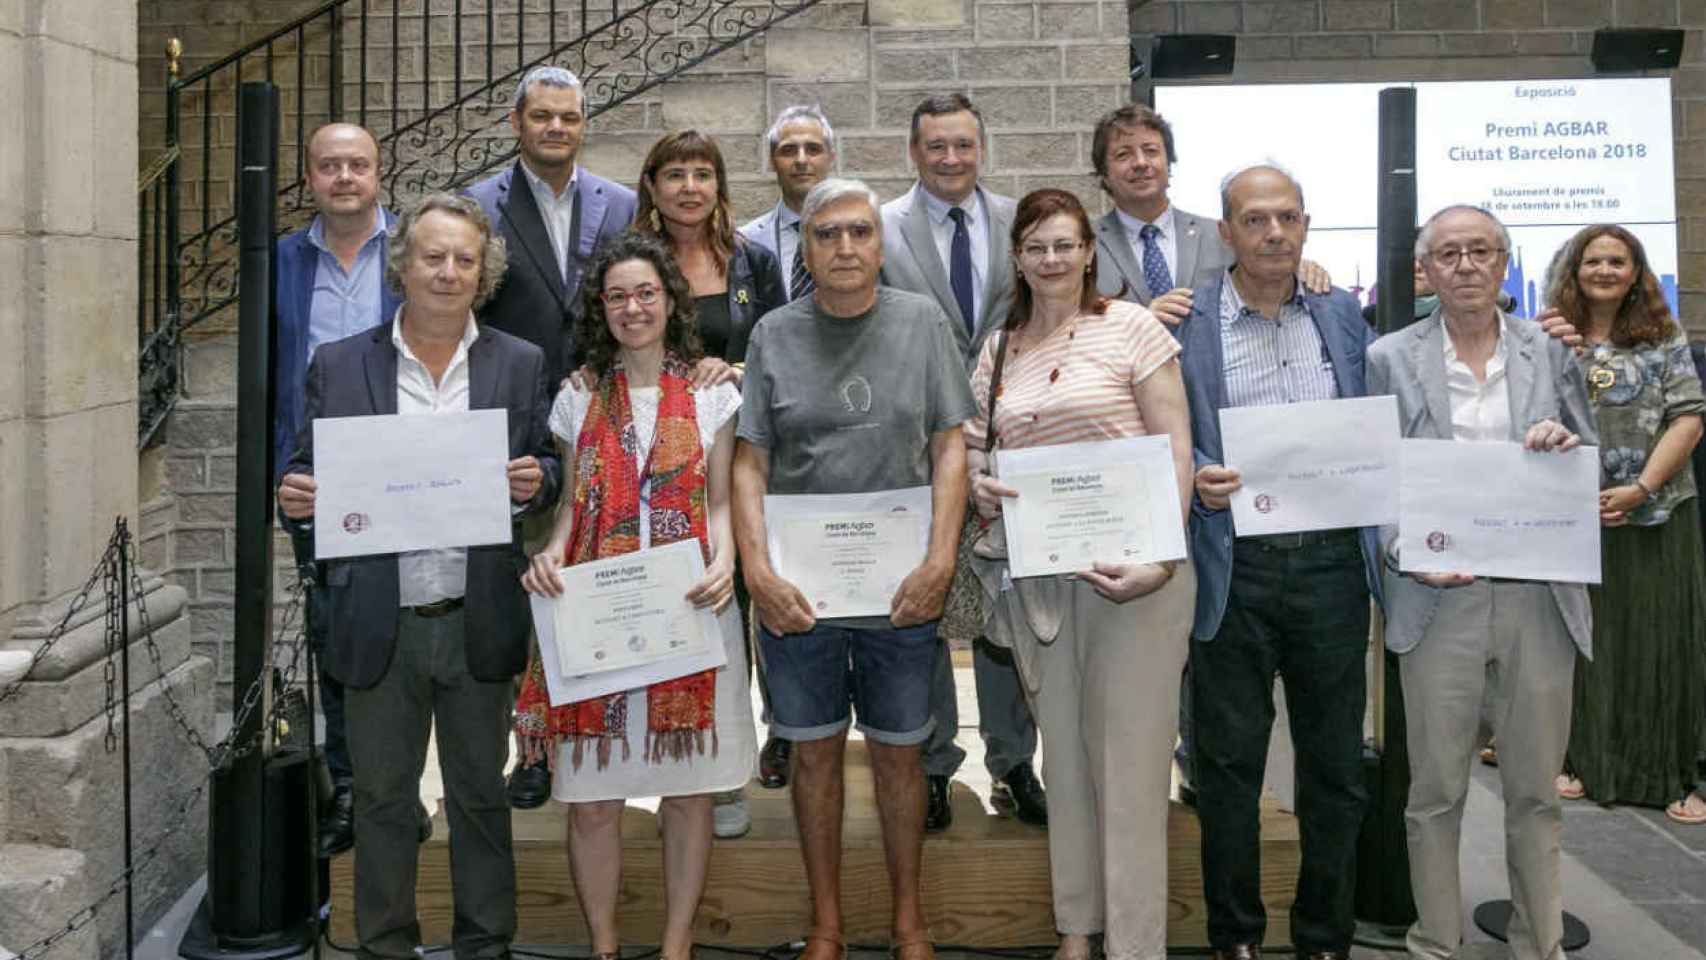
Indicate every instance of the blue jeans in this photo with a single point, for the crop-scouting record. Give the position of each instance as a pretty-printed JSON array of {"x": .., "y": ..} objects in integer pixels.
[{"x": 884, "y": 674}]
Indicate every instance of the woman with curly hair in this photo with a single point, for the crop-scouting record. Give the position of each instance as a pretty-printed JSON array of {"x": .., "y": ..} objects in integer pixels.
[
  {"x": 646, "y": 461},
  {"x": 1637, "y": 721}
]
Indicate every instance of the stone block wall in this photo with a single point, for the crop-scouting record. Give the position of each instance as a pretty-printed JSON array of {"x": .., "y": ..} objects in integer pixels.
[{"x": 1301, "y": 41}]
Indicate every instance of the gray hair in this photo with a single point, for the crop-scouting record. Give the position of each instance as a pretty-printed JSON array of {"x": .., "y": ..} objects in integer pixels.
[
  {"x": 1226, "y": 183},
  {"x": 1425, "y": 236},
  {"x": 832, "y": 190},
  {"x": 550, "y": 76},
  {"x": 494, "y": 257},
  {"x": 800, "y": 112}
]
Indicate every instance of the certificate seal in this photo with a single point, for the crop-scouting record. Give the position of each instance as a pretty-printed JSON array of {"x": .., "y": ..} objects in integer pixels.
[
  {"x": 1265, "y": 503},
  {"x": 1437, "y": 541},
  {"x": 356, "y": 522},
  {"x": 636, "y": 643}
]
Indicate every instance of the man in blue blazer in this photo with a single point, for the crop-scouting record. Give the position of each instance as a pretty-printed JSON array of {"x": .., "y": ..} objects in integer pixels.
[
  {"x": 331, "y": 284},
  {"x": 432, "y": 638},
  {"x": 552, "y": 215},
  {"x": 1296, "y": 604}
]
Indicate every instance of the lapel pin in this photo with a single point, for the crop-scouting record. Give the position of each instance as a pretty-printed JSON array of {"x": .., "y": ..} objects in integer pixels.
[{"x": 740, "y": 295}]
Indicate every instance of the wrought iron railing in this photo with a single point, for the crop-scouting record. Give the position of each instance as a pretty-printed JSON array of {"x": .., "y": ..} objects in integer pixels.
[{"x": 434, "y": 86}]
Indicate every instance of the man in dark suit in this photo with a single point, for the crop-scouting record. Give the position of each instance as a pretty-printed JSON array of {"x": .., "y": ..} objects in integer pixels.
[
  {"x": 432, "y": 635},
  {"x": 331, "y": 284},
  {"x": 552, "y": 215},
  {"x": 1293, "y": 604},
  {"x": 947, "y": 239}
]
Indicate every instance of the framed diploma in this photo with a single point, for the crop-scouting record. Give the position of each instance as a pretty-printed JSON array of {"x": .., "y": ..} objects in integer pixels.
[
  {"x": 848, "y": 553},
  {"x": 1113, "y": 501}
]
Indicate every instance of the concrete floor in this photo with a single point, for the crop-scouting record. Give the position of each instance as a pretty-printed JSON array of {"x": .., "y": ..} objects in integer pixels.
[{"x": 1635, "y": 878}]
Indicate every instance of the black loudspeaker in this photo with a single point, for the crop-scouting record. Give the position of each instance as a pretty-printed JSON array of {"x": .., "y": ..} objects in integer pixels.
[
  {"x": 1181, "y": 56},
  {"x": 1395, "y": 290},
  {"x": 1635, "y": 49}
]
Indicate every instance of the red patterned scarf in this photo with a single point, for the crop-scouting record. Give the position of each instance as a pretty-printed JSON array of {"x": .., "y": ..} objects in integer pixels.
[{"x": 606, "y": 507}]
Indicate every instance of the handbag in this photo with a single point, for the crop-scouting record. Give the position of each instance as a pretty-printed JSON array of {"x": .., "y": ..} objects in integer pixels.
[{"x": 962, "y": 610}]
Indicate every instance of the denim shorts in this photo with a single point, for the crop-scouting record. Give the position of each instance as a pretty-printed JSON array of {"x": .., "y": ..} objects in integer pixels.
[{"x": 884, "y": 674}]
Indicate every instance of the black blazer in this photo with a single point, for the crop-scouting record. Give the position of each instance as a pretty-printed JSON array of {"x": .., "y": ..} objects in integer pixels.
[
  {"x": 533, "y": 302},
  {"x": 755, "y": 289},
  {"x": 357, "y": 376}
]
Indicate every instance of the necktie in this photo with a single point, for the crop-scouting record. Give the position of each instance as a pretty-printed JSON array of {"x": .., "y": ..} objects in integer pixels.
[
  {"x": 1154, "y": 264},
  {"x": 800, "y": 282},
  {"x": 959, "y": 268}
]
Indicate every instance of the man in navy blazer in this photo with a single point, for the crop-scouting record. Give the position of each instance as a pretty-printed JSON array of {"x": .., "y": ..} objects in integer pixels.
[
  {"x": 438, "y": 634},
  {"x": 331, "y": 284},
  {"x": 552, "y": 215},
  {"x": 1296, "y": 605}
]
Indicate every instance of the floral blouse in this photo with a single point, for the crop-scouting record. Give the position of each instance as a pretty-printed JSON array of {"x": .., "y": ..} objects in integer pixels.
[{"x": 1637, "y": 391}]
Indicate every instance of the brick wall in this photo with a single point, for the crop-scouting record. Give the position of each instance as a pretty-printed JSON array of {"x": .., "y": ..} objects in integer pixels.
[
  {"x": 1040, "y": 71},
  {"x": 1296, "y": 41}
]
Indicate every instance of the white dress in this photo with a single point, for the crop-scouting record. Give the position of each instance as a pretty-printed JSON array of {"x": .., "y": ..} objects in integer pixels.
[{"x": 628, "y": 774}]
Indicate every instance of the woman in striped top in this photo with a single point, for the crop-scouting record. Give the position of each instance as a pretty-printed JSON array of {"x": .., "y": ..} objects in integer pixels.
[{"x": 1100, "y": 651}]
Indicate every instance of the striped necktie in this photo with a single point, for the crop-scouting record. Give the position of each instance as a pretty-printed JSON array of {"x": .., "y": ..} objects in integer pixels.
[{"x": 800, "y": 281}]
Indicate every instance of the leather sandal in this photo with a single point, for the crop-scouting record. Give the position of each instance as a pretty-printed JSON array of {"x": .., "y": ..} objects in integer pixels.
[
  {"x": 910, "y": 941},
  {"x": 831, "y": 937}
]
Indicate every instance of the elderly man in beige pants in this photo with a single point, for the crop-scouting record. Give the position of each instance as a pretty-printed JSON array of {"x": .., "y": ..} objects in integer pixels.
[{"x": 1476, "y": 646}]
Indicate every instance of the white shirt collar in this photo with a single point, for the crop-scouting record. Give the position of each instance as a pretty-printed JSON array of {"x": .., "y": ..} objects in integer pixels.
[
  {"x": 1495, "y": 363},
  {"x": 1134, "y": 227},
  {"x": 470, "y": 333},
  {"x": 937, "y": 208},
  {"x": 543, "y": 189}
]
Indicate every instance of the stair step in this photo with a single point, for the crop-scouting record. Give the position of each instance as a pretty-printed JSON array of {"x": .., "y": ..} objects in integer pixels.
[{"x": 986, "y": 879}]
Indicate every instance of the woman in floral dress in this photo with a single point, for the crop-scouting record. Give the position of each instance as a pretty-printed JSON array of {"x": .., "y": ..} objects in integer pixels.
[{"x": 1640, "y": 704}]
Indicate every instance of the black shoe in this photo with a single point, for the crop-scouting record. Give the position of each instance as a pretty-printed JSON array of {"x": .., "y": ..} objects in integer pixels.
[
  {"x": 938, "y": 815},
  {"x": 1021, "y": 794},
  {"x": 425, "y": 819},
  {"x": 773, "y": 762},
  {"x": 337, "y": 825},
  {"x": 529, "y": 787}
]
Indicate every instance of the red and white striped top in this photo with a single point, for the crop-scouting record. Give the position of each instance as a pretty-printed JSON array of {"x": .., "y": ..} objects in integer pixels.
[{"x": 1077, "y": 385}]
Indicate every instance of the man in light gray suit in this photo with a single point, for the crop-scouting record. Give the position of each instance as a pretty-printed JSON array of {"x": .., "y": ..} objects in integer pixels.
[
  {"x": 1473, "y": 647},
  {"x": 947, "y": 238}
]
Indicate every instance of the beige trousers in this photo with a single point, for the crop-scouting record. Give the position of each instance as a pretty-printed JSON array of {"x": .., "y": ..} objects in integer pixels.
[
  {"x": 1498, "y": 649},
  {"x": 1107, "y": 705}
]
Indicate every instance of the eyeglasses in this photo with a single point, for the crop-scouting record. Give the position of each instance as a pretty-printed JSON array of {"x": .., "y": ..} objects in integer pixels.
[
  {"x": 1450, "y": 257},
  {"x": 1034, "y": 252},
  {"x": 615, "y": 299},
  {"x": 830, "y": 233}
]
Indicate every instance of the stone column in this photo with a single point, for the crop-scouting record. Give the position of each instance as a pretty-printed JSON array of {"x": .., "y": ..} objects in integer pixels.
[{"x": 68, "y": 468}]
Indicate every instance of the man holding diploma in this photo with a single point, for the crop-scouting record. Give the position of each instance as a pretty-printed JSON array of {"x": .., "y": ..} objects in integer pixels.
[
  {"x": 1293, "y": 604},
  {"x": 856, "y": 389},
  {"x": 431, "y": 635},
  {"x": 1473, "y": 647}
]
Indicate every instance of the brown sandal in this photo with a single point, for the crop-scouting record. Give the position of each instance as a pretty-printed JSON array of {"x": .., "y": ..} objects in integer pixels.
[
  {"x": 831, "y": 937},
  {"x": 920, "y": 939}
]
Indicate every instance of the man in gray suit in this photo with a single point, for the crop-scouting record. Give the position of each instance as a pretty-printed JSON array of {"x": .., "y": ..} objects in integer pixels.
[
  {"x": 1473, "y": 647},
  {"x": 947, "y": 238},
  {"x": 802, "y": 153},
  {"x": 431, "y": 636}
]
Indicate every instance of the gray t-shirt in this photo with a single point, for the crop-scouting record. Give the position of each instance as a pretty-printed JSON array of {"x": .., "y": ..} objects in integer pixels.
[{"x": 848, "y": 404}]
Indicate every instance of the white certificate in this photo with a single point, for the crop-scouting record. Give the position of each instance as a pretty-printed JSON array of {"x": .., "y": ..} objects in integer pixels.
[
  {"x": 1317, "y": 465},
  {"x": 624, "y": 622},
  {"x": 848, "y": 553},
  {"x": 1497, "y": 510},
  {"x": 1111, "y": 501},
  {"x": 387, "y": 484}
]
